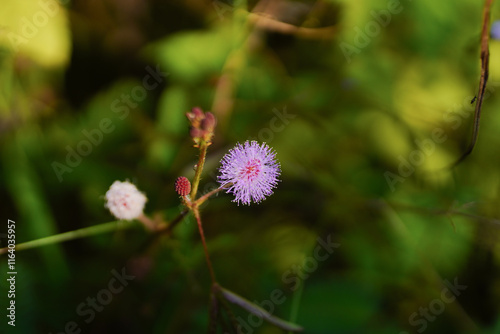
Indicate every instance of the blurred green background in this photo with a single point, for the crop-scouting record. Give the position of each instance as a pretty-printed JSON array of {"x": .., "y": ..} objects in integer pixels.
[{"x": 366, "y": 103}]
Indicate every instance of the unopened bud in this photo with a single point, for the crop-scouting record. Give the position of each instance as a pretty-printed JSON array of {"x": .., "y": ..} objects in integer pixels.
[
  {"x": 182, "y": 186},
  {"x": 208, "y": 123},
  {"x": 195, "y": 133},
  {"x": 195, "y": 116},
  {"x": 208, "y": 126},
  {"x": 202, "y": 126},
  {"x": 197, "y": 112}
]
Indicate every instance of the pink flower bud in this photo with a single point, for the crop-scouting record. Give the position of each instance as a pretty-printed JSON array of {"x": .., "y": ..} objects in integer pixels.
[
  {"x": 208, "y": 123},
  {"x": 195, "y": 116},
  {"x": 182, "y": 186}
]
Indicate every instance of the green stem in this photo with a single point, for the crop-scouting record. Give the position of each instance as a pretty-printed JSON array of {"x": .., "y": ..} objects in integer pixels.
[
  {"x": 200, "y": 227},
  {"x": 71, "y": 235},
  {"x": 199, "y": 169},
  {"x": 296, "y": 303},
  {"x": 96, "y": 229}
]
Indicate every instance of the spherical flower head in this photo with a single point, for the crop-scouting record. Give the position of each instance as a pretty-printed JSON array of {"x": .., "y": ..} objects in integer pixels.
[
  {"x": 182, "y": 186},
  {"x": 125, "y": 201},
  {"x": 252, "y": 170}
]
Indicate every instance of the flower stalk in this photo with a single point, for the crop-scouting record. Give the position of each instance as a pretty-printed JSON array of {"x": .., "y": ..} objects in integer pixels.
[
  {"x": 72, "y": 235},
  {"x": 199, "y": 169},
  {"x": 196, "y": 213},
  {"x": 203, "y": 198}
]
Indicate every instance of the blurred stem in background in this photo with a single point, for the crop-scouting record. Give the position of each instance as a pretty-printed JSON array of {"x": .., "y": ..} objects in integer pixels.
[
  {"x": 297, "y": 296},
  {"x": 429, "y": 271}
]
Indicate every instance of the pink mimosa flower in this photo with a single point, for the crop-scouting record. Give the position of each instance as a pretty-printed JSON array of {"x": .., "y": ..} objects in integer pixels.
[{"x": 252, "y": 170}]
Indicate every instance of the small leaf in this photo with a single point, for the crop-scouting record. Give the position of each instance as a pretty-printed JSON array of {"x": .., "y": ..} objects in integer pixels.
[{"x": 258, "y": 311}]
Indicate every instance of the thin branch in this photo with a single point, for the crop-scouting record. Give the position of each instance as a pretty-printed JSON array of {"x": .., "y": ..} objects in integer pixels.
[
  {"x": 167, "y": 228},
  {"x": 224, "y": 303},
  {"x": 94, "y": 230},
  {"x": 485, "y": 61},
  {"x": 213, "y": 313},
  {"x": 202, "y": 234},
  {"x": 432, "y": 211},
  {"x": 72, "y": 235},
  {"x": 203, "y": 198},
  {"x": 270, "y": 24}
]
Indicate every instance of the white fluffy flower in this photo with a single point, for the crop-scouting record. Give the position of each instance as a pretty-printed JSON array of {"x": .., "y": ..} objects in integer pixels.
[{"x": 124, "y": 200}]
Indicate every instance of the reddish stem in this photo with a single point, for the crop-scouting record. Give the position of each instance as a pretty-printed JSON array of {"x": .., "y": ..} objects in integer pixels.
[
  {"x": 209, "y": 263},
  {"x": 203, "y": 198}
]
